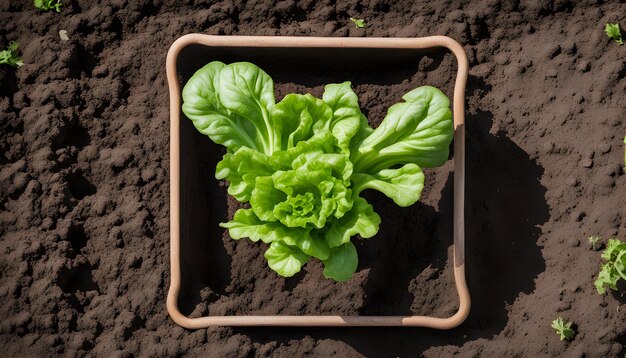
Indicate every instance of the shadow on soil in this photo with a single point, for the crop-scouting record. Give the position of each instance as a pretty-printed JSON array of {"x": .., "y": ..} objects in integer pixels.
[
  {"x": 408, "y": 242},
  {"x": 204, "y": 260}
]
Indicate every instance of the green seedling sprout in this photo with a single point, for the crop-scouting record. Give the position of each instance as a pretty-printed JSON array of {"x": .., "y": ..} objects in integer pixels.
[
  {"x": 594, "y": 242},
  {"x": 358, "y": 23},
  {"x": 10, "y": 56},
  {"x": 614, "y": 33},
  {"x": 564, "y": 330},
  {"x": 48, "y": 5}
]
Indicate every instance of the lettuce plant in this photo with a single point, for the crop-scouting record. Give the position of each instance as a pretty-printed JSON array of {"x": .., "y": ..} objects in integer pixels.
[
  {"x": 302, "y": 163},
  {"x": 563, "y": 329},
  {"x": 10, "y": 56},
  {"x": 614, "y": 268},
  {"x": 358, "y": 23},
  {"x": 614, "y": 33},
  {"x": 48, "y": 5}
]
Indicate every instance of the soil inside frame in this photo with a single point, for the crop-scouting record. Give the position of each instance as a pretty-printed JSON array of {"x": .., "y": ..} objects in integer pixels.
[{"x": 409, "y": 234}]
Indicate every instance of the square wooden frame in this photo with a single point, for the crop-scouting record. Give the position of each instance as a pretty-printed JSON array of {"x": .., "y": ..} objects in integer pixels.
[{"x": 319, "y": 42}]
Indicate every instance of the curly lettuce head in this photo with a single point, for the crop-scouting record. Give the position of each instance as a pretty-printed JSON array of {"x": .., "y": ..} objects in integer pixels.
[
  {"x": 308, "y": 195},
  {"x": 301, "y": 204}
]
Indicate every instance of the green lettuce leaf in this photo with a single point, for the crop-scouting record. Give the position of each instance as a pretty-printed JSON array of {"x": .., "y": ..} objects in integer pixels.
[
  {"x": 360, "y": 220},
  {"x": 364, "y": 131},
  {"x": 301, "y": 198},
  {"x": 284, "y": 259},
  {"x": 247, "y": 91},
  {"x": 246, "y": 224},
  {"x": 230, "y": 104},
  {"x": 418, "y": 131},
  {"x": 310, "y": 245},
  {"x": 341, "y": 263},
  {"x": 614, "y": 268},
  {"x": 346, "y": 114},
  {"x": 202, "y": 105},
  {"x": 297, "y": 117},
  {"x": 241, "y": 170},
  {"x": 265, "y": 197},
  {"x": 404, "y": 185},
  {"x": 242, "y": 167}
]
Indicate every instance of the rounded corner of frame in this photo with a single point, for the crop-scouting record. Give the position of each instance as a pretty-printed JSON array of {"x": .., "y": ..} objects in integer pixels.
[{"x": 175, "y": 314}]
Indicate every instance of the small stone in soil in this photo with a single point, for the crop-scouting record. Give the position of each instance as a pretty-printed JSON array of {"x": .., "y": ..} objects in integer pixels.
[
  {"x": 604, "y": 148},
  {"x": 583, "y": 66},
  {"x": 552, "y": 50},
  {"x": 578, "y": 215},
  {"x": 63, "y": 35},
  {"x": 147, "y": 175},
  {"x": 586, "y": 163},
  {"x": 564, "y": 306},
  {"x": 572, "y": 182},
  {"x": 547, "y": 147}
]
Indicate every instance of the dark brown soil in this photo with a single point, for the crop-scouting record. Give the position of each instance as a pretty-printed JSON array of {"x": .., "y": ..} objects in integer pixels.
[{"x": 84, "y": 209}]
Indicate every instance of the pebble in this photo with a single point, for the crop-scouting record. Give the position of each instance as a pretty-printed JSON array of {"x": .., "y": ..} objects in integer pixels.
[
  {"x": 583, "y": 66},
  {"x": 120, "y": 157},
  {"x": 586, "y": 163},
  {"x": 552, "y": 50},
  {"x": 19, "y": 181},
  {"x": 547, "y": 147},
  {"x": 147, "y": 175},
  {"x": 501, "y": 58},
  {"x": 579, "y": 99},
  {"x": 578, "y": 215},
  {"x": 564, "y": 306},
  {"x": 63, "y": 35},
  {"x": 604, "y": 148},
  {"x": 572, "y": 182}
]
